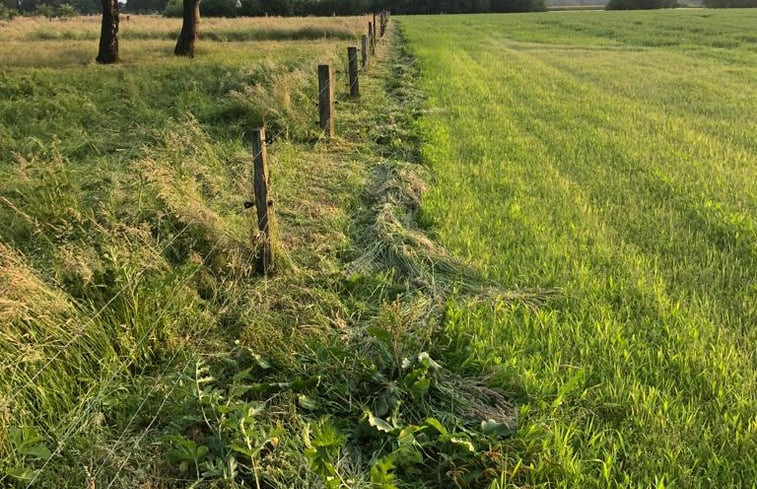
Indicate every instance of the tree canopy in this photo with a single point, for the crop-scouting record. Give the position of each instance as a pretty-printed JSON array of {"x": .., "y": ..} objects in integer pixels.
[
  {"x": 730, "y": 3},
  {"x": 640, "y": 4},
  {"x": 229, "y": 8},
  {"x": 232, "y": 8}
]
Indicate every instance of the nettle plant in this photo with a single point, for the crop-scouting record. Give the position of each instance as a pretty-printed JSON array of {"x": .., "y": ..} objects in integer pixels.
[{"x": 453, "y": 446}]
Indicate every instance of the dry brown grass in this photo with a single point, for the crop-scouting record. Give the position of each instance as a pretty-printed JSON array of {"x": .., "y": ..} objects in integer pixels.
[
  {"x": 33, "y": 312},
  {"x": 150, "y": 26},
  {"x": 28, "y": 42}
]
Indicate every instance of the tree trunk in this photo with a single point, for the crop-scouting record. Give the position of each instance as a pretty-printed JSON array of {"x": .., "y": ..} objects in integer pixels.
[
  {"x": 108, "y": 52},
  {"x": 185, "y": 45}
]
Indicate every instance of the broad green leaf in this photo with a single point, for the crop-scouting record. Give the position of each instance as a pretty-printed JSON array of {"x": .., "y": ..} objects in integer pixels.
[
  {"x": 307, "y": 402},
  {"x": 21, "y": 473},
  {"x": 261, "y": 361},
  {"x": 201, "y": 452},
  {"x": 420, "y": 387},
  {"x": 379, "y": 333},
  {"x": 425, "y": 359},
  {"x": 409, "y": 450},
  {"x": 495, "y": 428},
  {"x": 37, "y": 451},
  {"x": 241, "y": 375},
  {"x": 378, "y": 423},
  {"x": 381, "y": 473},
  {"x": 462, "y": 442},
  {"x": 300, "y": 384},
  {"x": 243, "y": 449},
  {"x": 434, "y": 423}
]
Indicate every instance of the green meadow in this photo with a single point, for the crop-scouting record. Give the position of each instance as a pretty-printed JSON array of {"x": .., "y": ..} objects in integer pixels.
[
  {"x": 526, "y": 259},
  {"x": 613, "y": 157}
]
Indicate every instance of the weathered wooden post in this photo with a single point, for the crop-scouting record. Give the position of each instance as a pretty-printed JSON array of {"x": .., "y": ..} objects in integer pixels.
[
  {"x": 353, "y": 71},
  {"x": 326, "y": 99},
  {"x": 375, "y": 27},
  {"x": 372, "y": 37},
  {"x": 363, "y": 51},
  {"x": 383, "y": 23},
  {"x": 263, "y": 203}
]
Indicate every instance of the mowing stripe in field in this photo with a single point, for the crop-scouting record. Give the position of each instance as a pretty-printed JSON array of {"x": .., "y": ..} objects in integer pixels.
[{"x": 612, "y": 155}]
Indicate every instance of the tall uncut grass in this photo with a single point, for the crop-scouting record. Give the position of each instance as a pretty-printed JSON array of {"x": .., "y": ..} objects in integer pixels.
[
  {"x": 124, "y": 246},
  {"x": 147, "y": 27}
]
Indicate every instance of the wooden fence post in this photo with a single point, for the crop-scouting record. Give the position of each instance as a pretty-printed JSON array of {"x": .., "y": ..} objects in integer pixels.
[
  {"x": 383, "y": 23},
  {"x": 353, "y": 71},
  {"x": 326, "y": 99},
  {"x": 263, "y": 202},
  {"x": 372, "y": 37},
  {"x": 375, "y": 28},
  {"x": 364, "y": 51}
]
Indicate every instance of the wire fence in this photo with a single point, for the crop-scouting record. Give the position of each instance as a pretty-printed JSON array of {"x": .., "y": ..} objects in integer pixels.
[{"x": 87, "y": 407}]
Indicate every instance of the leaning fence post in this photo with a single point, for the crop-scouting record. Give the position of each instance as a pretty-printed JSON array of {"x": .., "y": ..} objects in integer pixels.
[
  {"x": 326, "y": 99},
  {"x": 364, "y": 51},
  {"x": 353, "y": 72},
  {"x": 263, "y": 202}
]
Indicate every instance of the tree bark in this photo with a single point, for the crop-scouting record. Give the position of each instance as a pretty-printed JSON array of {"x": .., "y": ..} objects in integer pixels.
[
  {"x": 108, "y": 52},
  {"x": 185, "y": 45}
]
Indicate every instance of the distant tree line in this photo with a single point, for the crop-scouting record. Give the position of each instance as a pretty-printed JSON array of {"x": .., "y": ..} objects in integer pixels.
[
  {"x": 234, "y": 8},
  {"x": 654, "y": 4},
  {"x": 50, "y": 8},
  {"x": 231, "y": 8},
  {"x": 640, "y": 4},
  {"x": 730, "y": 3}
]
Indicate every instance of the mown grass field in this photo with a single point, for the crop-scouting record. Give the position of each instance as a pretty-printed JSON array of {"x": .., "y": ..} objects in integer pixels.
[{"x": 612, "y": 156}]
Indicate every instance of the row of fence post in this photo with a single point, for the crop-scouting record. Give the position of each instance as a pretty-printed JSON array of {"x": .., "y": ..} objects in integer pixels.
[
  {"x": 264, "y": 246},
  {"x": 326, "y": 73}
]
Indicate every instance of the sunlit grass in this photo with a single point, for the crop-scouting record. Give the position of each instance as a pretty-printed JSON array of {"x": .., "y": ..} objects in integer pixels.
[
  {"x": 121, "y": 198},
  {"x": 611, "y": 155},
  {"x": 35, "y": 42},
  {"x": 607, "y": 156},
  {"x": 156, "y": 27}
]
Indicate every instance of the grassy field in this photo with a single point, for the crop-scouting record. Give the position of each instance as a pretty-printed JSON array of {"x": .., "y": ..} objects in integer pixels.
[
  {"x": 582, "y": 316},
  {"x": 125, "y": 251},
  {"x": 139, "y": 349},
  {"x": 612, "y": 156}
]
